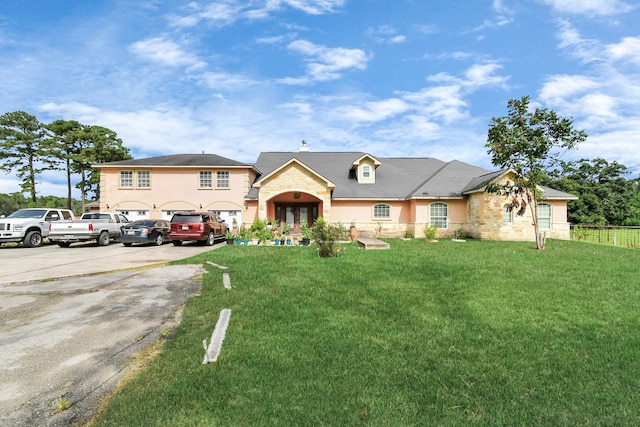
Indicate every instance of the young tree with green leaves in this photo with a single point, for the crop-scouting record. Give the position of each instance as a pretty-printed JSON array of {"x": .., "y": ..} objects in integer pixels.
[
  {"x": 528, "y": 143},
  {"x": 25, "y": 149}
]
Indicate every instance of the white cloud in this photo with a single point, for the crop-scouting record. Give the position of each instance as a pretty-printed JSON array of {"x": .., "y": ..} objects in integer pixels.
[
  {"x": 590, "y": 7},
  {"x": 226, "y": 81},
  {"x": 627, "y": 50},
  {"x": 166, "y": 52},
  {"x": 312, "y": 7},
  {"x": 225, "y": 13},
  {"x": 220, "y": 14},
  {"x": 373, "y": 111},
  {"x": 604, "y": 99},
  {"x": 385, "y": 34},
  {"x": 324, "y": 63}
]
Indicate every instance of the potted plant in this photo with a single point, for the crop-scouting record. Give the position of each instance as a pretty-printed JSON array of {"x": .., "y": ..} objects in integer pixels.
[
  {"x": 244, "y": 235},
  {"x": 230, "y": 237},
  {"x": 263, "y": 235},
  {"x": 306, "y": 232}
]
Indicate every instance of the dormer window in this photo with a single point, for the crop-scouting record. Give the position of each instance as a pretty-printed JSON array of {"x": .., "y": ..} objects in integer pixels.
[{"x": 365, "y": 169}]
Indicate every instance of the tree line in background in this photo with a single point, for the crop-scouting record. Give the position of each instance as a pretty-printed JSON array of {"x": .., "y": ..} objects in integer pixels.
[{"x": 29, "y": 148}]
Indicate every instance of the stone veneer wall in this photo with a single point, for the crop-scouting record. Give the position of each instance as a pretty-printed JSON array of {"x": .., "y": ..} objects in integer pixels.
[
  {"x": 294, "y": 178},
  {"x": 486, "y": 221}
]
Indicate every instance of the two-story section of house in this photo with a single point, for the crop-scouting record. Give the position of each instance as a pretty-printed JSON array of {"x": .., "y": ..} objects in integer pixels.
[{"x": 156, "y": 187}]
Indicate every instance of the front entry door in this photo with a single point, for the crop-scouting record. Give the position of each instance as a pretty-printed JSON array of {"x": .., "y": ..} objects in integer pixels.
[{"x": 293, "y": 215}]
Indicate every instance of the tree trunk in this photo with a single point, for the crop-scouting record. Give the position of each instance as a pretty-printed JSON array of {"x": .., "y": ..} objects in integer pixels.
[{"x": 540, "y": 237}]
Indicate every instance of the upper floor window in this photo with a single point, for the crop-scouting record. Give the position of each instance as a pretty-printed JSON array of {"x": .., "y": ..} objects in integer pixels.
[
  {"x": 439, "y": 215},
  {"x": 544, "y": 216},
  {"x": 144, "y": 179},
  {"x": 366, "y": 171},
  {"x": 206, "y": 179},
  {"x": 507, "y": 214},
  {"x": 381, "y": 211},
  {"x": 222, "y": 179},
  {"x": 126, "y": 179}
]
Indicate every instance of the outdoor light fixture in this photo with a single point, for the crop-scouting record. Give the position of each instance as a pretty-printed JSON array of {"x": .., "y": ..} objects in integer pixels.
[
  {"x": 296, "y": 195},
  {"x": 154, "y": 206},
  {"x": 107, "y": 205}
]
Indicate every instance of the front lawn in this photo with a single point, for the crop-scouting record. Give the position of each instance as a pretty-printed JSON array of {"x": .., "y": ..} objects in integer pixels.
[{"x": 475, "y": 333}]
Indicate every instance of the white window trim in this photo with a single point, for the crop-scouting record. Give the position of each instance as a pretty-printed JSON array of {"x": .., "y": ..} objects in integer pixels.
[
  {"x": 381, "y": 218},
  {"x": 505, "y": 211},
  {"x": 228, "y": 179},
  {"x": 138, "y": 179},
  {"x": 550, "y": 216},
  {"x": 200, "y": 186},
  {"x": 446, "y": 218},
  {"x": 120, "y": 173}
]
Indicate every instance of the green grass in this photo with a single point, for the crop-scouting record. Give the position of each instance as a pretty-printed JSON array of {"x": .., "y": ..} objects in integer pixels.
[{"x": 476, "y": 333}]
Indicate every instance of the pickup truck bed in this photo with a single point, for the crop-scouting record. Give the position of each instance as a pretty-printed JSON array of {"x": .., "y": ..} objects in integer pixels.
[{"x": 99, "y": 226}]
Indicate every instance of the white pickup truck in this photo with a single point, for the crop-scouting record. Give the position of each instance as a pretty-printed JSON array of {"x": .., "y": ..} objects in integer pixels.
[
  {"x": 98, "y": 226},
  {"x": 31, "y": 225}
]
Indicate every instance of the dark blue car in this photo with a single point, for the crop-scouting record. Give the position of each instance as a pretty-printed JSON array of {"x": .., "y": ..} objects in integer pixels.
[{"x": 144, "y": 231}]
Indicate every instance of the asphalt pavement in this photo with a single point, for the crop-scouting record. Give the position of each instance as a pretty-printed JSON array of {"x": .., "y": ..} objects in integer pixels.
[{"x": 70, "y": 319}]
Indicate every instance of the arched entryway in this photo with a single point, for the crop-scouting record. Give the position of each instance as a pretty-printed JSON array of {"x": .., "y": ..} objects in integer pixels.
[{"x": 294, "y": 207}]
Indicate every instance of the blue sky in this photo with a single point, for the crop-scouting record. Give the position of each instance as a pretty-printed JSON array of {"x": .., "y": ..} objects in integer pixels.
[{"x": 393, "y": 78}]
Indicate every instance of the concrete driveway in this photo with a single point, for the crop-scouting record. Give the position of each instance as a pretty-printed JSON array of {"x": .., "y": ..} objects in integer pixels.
[{"x": 69, "y": 337}]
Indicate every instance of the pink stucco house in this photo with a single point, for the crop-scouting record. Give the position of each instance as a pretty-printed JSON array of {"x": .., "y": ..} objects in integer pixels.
[{"x": 389, "y": 197}]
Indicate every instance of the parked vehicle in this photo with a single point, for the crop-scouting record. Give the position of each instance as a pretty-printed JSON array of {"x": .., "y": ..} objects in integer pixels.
[
  {"x": 98, "y": 226},
  {"x": 30, "y": 226},
  {"x": 154, "y": 231},
  {"x": 203, "y": 227}
]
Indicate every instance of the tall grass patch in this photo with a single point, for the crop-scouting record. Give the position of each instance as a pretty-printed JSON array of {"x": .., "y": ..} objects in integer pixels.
[{"x": 482, "y": 333}]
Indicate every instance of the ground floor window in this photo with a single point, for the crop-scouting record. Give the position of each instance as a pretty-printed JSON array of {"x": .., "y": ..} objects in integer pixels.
[
  {"x": 544, "y": 216},
  {"x": 507, "y": 214},
  {"x": 381, "y": 211},
  {"x": 439, "y": 215}
]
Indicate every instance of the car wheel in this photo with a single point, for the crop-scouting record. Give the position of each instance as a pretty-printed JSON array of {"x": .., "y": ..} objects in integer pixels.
[
  {"x": 177, "y": 242},
  {"x": 159, "y": 240},
  {"x": 103, "y": 239},
  {"x": 211, "y": 239},
  {"x": 33, "y": 239},
  {"x": 64, "y": 244},
  {"x": 127, "y": 244}
]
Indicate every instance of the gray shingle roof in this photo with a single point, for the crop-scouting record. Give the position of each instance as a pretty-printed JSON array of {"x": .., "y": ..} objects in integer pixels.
[
  {"x": 396, "y": 178},
  {"x": 181, "y": 160}
]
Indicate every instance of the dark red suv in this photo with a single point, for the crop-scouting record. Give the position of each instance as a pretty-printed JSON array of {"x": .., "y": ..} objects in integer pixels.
[{"x": 203, "y": 227}]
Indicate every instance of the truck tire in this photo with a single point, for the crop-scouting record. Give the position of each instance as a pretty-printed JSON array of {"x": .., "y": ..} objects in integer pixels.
[
  {"x": 211, "y": 239},
  {"x": 32, "y": 239},
  {"x": 177, "y": 242},
  {"x": 103, "y": 239}
]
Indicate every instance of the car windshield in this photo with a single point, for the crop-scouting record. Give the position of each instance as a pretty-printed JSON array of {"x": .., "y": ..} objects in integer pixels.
[
  {"x": 28, "y": 213},
  {"x": 185, "y": 218}
]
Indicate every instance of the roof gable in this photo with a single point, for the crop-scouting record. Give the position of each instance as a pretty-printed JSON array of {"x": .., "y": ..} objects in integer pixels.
[{"x": 287, "y": 165}]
